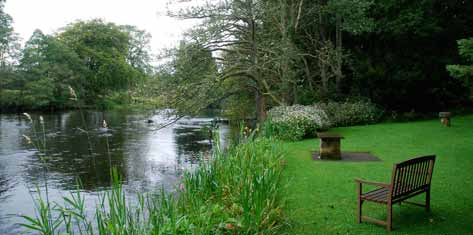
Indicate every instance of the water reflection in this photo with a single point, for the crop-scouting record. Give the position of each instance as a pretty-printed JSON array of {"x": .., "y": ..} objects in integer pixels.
[{"x": 146, "y": 159}]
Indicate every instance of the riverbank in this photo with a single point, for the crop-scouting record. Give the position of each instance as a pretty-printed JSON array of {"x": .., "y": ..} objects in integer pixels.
[
  {"x": 146, "y": 159},
  {"x": 237, "y": 191},
  {"x": 322, "y": 195}
]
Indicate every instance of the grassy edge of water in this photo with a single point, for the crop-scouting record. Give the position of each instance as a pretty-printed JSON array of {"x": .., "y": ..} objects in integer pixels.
[{"x": 238, "y": 191}]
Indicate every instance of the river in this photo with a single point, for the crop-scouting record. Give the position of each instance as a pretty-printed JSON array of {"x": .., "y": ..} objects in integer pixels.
[{"x": 147, "y": 157}]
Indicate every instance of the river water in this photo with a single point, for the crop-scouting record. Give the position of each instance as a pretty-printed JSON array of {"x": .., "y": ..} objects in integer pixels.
[{"x": 147, "y": 157}]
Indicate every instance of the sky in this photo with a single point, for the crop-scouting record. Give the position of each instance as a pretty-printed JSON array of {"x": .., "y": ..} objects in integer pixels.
[{"x": 51, "y": 15}]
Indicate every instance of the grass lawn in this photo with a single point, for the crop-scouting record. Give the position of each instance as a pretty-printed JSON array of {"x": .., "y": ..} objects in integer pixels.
[{"x": 322, "y": 195}]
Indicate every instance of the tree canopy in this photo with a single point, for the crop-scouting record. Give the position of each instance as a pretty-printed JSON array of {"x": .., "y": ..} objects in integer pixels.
[
  {"x": 246, "y": 56},
  {"x": 464, "y": 72},
  {"x": 95, "y": 57},
  {"x": 305, "y": 51}
]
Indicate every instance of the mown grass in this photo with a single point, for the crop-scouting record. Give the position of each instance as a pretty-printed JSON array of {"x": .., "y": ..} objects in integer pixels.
[
  {"x": 238, "y": 191},
  {"x": 322, "y": 195}
]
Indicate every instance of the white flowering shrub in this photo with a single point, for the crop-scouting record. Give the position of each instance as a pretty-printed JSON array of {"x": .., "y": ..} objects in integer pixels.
[
  {"x": 295, "y": 122},
  {"x": 298, "y": 121},
  {"x": 351, "y": 113}
]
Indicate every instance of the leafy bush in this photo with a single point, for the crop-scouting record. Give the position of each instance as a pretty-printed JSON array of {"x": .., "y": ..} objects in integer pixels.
[
  {"x": 295, "y": 122},
  {"x": 113, "y": 101},
  {"x": 351, "y": 113},
  {"x": 39, "y": 94},
  {"x": 10, "y": 98}
]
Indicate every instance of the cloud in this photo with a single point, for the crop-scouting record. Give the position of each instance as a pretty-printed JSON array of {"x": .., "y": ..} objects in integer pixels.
[{"x": 51, "y": 15}]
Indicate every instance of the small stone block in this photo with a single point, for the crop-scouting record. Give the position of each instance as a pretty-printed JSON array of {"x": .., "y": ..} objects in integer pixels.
[{"x": 330, "y": 146}]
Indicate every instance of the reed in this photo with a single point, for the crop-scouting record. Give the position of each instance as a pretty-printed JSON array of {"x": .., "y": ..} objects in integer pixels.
[
  {"x": 44, "y": 221},
  {"x": 237, "y": 191}
]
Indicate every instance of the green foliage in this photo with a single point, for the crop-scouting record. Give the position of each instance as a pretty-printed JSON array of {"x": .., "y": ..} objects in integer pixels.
[
  {"x": 98, "y": 59},
  {"x": 402, "y": 68},
  {"x": 9, "y": 98},
  {"x": 103, "y": 49},
  {"x": 295, "y": 122},
  {"x": 464, "y": 72},
  {"x": 9, "y": 41},
  {"x": 237, "y": 192},
  {"x": 114, "y": 100},
  {"x": 412, "y": 17},
  {"x": 350, "y": 113},
  {"x": 138, "y": 56},
  {"x": 465, "y": 48},
  {"x": 354, "y": 14},
  {"x": 239, "y": 106},
  {"x": 301, "y": 52},
  {"x": 189, "y": 82},
  {"x": 47, "y": 68},
  {"x": 39, "y": 94}
]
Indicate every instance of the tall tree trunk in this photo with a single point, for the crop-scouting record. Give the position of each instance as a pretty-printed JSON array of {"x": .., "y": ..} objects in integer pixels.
[
  {"x": 322, "y": 30},
  {"x": 308, "y": 75},
  {"x": 259, "y": 97},
  {"x": 294, "y": 93},
  {"x": 324, "y": 79},
  {"x": 286, "y": 78},
  {"x": 260, "y": 106},
  {"x": 322, "y": 60},
  {"x": 339, "y": 59}
]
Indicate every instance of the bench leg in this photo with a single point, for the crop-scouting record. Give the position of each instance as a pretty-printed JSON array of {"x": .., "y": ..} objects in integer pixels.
[
  {"x": 390, "y": 217},
  {"x": 360, "y": 204},
  {"x": 427, "y": 200}
]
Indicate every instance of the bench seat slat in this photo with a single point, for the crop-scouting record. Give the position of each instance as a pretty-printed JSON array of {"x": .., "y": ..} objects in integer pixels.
[{"x": 377, "y": 195}]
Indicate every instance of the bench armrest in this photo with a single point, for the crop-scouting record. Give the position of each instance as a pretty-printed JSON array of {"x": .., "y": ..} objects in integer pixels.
[{"x": 384, "y": 185}]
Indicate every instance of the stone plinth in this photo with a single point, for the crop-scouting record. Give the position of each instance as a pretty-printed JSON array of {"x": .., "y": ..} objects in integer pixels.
[
  {"x": 330, "y": 146},
  {"x": 445, "y": 118}
]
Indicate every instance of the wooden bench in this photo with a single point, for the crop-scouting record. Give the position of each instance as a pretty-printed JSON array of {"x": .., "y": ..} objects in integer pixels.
[{"x": 409, "y": 178}]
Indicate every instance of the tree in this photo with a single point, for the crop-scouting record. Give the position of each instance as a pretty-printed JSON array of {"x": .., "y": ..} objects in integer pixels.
[
  {"x": 464, "y": 72},
  {"x": 100, "y": 60},
  {"x": 47, "y": 68},
  {"x": 189, "y": 82},
  {"x": 9, "y": 52},
  {"x": 103, "y": 49},
  {"x": 257, "y": 44},
  {"x": 400, "y": 65},
  {"x": 138, "y": 56},
  {"x": 322, "y": 26},
  {"x": 233, "y": 31},
  {"x": 9, "y": 46},
  {"x": 350, "y": 16}
]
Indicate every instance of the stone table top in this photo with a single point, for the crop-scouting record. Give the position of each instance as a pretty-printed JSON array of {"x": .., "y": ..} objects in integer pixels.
[{"x": 326, "y": 135}]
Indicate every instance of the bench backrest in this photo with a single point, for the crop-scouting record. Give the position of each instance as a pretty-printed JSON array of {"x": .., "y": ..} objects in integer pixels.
[{"x": 412, "y": 176}]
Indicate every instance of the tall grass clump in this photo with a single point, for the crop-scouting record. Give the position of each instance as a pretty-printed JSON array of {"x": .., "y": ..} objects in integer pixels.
[{"x": 237, "y": 191}]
